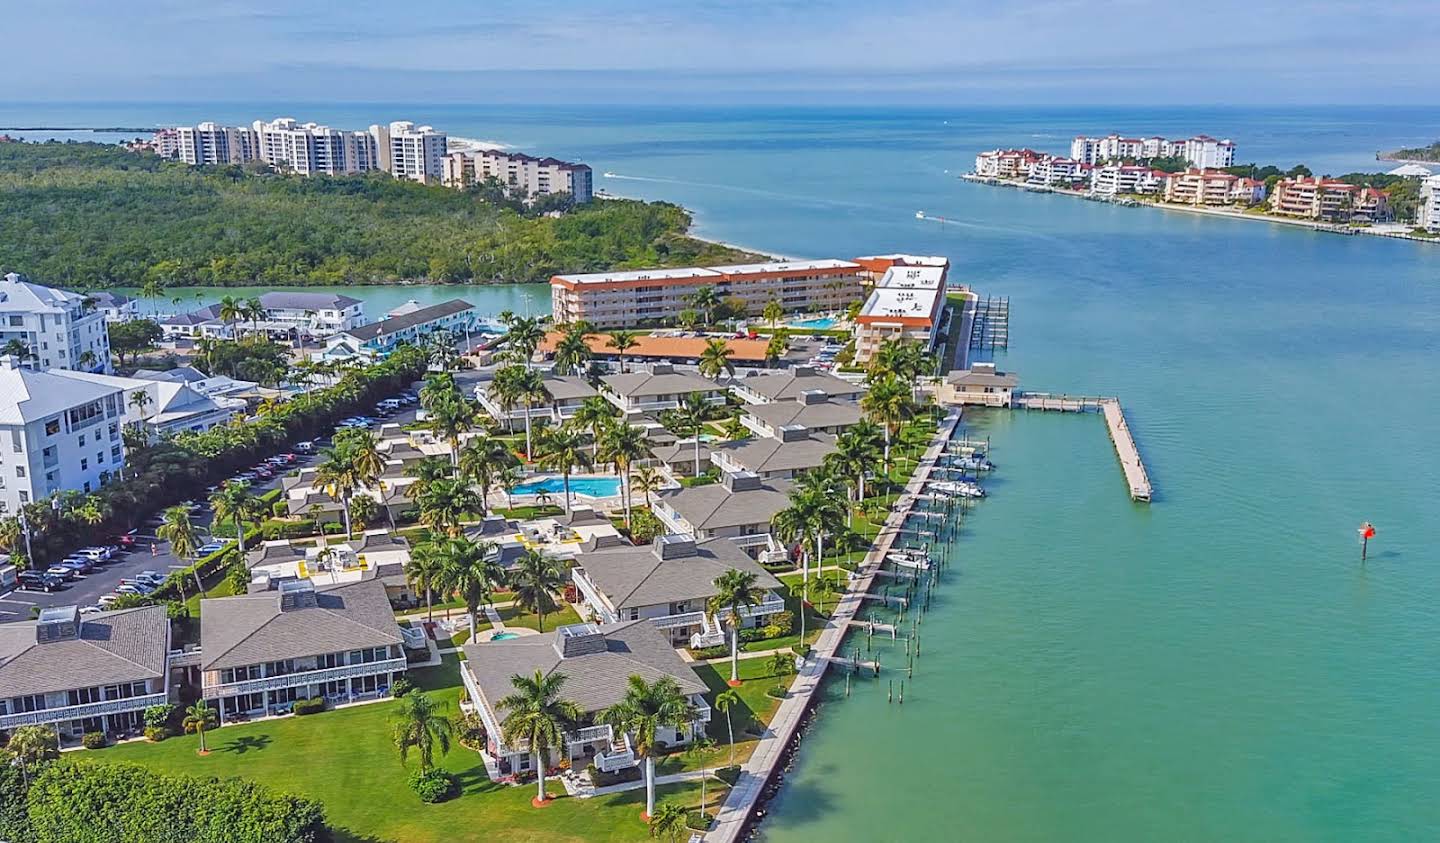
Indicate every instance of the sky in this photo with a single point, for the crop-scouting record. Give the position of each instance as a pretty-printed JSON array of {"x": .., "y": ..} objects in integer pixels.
[{"x": 724, "y": 51}]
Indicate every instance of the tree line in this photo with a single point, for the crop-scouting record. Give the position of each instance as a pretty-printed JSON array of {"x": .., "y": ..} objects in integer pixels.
[{"x": 93, "y": 216}]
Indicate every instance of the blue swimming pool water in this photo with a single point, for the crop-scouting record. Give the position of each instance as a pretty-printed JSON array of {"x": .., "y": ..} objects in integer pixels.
[
  {"x": 504, "y": 636},
  {"x": 822, "y": 324},
  {"x": 591, "y": 487}
]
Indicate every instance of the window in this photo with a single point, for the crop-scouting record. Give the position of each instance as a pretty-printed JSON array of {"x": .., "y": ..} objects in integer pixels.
[
  {"x": 19, "y": 471},
  {"x": 52, "y": 427},
  {"x": 82, "y": 440},
  {"x": 17, "y": 321},
  {"x": 83, "y": 696},
  {"x": 84, "y": 464}
]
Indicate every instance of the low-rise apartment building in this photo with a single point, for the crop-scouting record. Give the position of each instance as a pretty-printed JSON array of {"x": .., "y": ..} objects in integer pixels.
[
  {"x": 57, "y": 432},
  {"x": 567, "y": 393},
  {"x": 669, "y": 583},
  {"x": 738, "y": 508},
  {"x": 793, "y": 385},
  {"x": 597, "y": 661},
  {"x": 314, "y": 314},
  {"x": 649, "y": 296},
  {"x": 61, "y": 329},
  {"x": 657, "y": 388},
  {"x": 1006, "y": 163},
  {"x": 907, "y": 304},
  {"x": 523, "y": 174},
  {"x": 117, "y": 308},
  {"x": 795, "y": 451},
  {"x": 1331, "y": 200},
  {"x": 412, "y": 326},
  {"x": 1114, "y": 179},
  {"x": 261, "y": 652},
  {"x": 1200, "y": 187},
  {"x": 815, "y": 411},
  {"x": 1050, "y": 171},
  {"x": 84, "y": 673}
]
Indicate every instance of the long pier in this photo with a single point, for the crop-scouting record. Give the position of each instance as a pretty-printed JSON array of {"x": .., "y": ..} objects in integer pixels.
[
  {"x": 1135, "y": 474},
  {"x": 734, "y": 814}
]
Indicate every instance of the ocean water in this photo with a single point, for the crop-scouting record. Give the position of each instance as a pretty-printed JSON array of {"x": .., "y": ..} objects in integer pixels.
[{"x": 1217, "y": 665}]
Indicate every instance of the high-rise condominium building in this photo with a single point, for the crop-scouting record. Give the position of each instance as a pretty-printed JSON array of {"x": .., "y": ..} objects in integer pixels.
[
  {"x": 209, "y": 143},
  {"x": 310, "y": 148},
  {"x": 57, "y": 328},
  {"x": 524, "y": 173},
  {"x": 407, "y": 151}
]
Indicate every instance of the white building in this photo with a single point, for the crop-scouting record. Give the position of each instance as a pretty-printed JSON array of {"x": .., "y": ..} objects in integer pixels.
[
  {"x": 908, "y": 303},
  {"x": 117, "y": 308},
  {"x": 210, "y": 143},
  {"x": 310, "y": 148},
  {"x": 1050, "y": 171},
  {"x": 1200, "y": 151},
  {"x": 406, "y": 151},
  {"x": 170, "y": 406},
  {"x": 1121, "y": 178},
  {"x": 1204, "y": 151},
  {"x": 1428, "y": 217},
  {"x": 316, "y": 314},
  {"x": 522, "y": 173},
  {"x": 61, "y": 329},
  {"x": 58, "y": 431}
]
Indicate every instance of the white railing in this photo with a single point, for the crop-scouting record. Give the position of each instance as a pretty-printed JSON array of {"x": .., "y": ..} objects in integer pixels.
[
  {"x": 711, "y": 634},
  {"x": 618, "y": 757},
  {"x": 593, "y": 734},
  {"x": 186, "y": 657},
  {"x": 679, "y": 620},
  {"x": 770, "y": 605},
  {"x": 302, "y": 677},
  {"x": 669, "y": 518},
  {"x": 80, "y": 712},
  {"x": 592, "y": 595},
  {"x": 702, "y": 708}
]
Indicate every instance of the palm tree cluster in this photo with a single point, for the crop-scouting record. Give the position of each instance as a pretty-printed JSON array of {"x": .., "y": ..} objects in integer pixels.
[
  {"x": 447, "y": 412},
  {"x": 352, "y": 463}
]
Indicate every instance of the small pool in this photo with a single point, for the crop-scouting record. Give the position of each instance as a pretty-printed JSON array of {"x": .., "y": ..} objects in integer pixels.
[
  {"x": 590, "y": 486},
  {"x": 504, "y": 636},
  {"x": 822, "y": 324}
]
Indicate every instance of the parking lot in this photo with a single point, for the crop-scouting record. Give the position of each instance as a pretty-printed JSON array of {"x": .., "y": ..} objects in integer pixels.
[{"x": 85, "y": 590}]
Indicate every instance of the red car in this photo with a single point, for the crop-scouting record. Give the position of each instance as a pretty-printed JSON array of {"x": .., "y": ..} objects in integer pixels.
[{"x": 125, "y": 540}]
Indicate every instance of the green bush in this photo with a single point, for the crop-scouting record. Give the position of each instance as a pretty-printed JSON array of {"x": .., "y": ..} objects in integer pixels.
[
  {"x": 280, "y": 509},
  {"x": 698, "y": 821},
  {"x": 331, "y": 528},
  {"x": 158, "y": 716},
  {"x": 433, "y": 785},
  {"x": 776, "y": 692},
  {"x": 711, "y": 652},
  {"x": 401, "y": 686},
  {"x": 750, "y": 634},
  {"x": 644, "y": 526},
  {"x": 88, "y": 801},
  {"x": 156, "y": 734},
  {"x": 784, "y": 622},
  {"x": 94, "y": 740},
  {"x": 273, "y": 529},
  {"x": 314, "y": 705}
]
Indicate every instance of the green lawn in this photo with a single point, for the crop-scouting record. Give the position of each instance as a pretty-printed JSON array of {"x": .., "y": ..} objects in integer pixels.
[
  {"x": 345, "y": 759},
  {"x": 516, "y": 616}
]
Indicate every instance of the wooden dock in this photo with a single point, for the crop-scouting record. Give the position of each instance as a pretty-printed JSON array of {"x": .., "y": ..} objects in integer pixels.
[{"x": 1135, "y": 476}]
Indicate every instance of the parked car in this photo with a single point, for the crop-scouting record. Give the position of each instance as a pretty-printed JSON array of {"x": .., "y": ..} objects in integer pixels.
[
  {"x": 306, "y": 447},
  {"x": 90, "y": 610},
  {"x": 78, "y": 564},
  {"x": 36, "y": 581},
  {"x": 105, "y": 601},
  {"x": 154, "y": 579},
  {"x": 126, "y": 540},
  {"x": 94, "y": 554},
  {"x": 62, "y": 572},
  {"x": 130, "y": 588},
  {"x": 210, "y": 547}
]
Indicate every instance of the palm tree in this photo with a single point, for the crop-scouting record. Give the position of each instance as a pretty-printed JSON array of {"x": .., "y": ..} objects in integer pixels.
[
  {"x": 440, "y": 346},
  {"x": 420, "y": 724},
  {"x": 31, "y": 745},
  {"x": 438, "y": 388},
  {"x": 572, "y": 351},
  {"x": 175, "y": 528},
  {"x": 670, "y": 819},
  {"x": 471, "y": 570},
  {"x": 774, "y": 311},
  {"x": 482, "y": 461},
  {"x": 687, "y": 318},
  {"x": 706, "y": 299},
  {"x": 253, "y": 311},
  {"x": 699, "y": 752},
  {"x": 339, "y": 477},
  {"x": 516, "y": 385},
  {"x": 198, "y": 718},
  {"x": 86, "y": 359},
  {"x": 887, "y": 403},
  {"x": 855, "y": 451},
  {"x": 153, "y": 288},
  {"x": 231, "y": 310},
  {"x": 93, "y": 511},
  {"x": 448, "y": 419},
  {"x": 623, "y": 444},
  {"x": 562, "y": 450},
  {"x": 622, "y": 341},
  {"x": 775, "y": 349},
  {"x": 426, "y": 470},
  {"x": 233, "y": 502},
  {"x": 140, "y": 399},
  {"x": 17, "y": 349},
  {"x": 445, "y": 503},
  {"x": 645, "y": 709},
  {"x": 715, "y": 358},
  {"x": 690, "y": 417},
  {"x": 724, "y": 701},
  {"x": 507, "y": 478},
  {"x": 818, "y": 491},
  {"x": 425, "y": 573},
  {"x": 735, "y": 590},
  {"x": 524, "y": 337},
  {"x": 536, "y": 714},
  {"x": 535, "y": 578},
  {"x": 593, "y": 414},
  {"x": 646, "y": 479}
]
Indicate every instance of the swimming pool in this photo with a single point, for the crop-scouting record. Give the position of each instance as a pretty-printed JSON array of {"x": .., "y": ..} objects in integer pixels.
[
  {"x": 504, "y": 636},
  {"x": 589, "y": 486},
  {"x": 824, "y": 323}
]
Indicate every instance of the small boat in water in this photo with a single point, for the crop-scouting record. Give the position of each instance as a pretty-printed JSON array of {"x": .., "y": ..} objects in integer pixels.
[
  {"x": 976, "y": 461},
  {"x": 962, "y": 488}
]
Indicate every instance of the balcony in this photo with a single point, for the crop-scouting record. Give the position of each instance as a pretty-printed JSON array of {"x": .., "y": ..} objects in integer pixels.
[
  {"x": 702, "y": 708},
  {"x": 682, "y": 619},
  {"x": 303, "y": 677},
  {"x": 80, "y": 712},
  {"x": 593, "y": 597}
]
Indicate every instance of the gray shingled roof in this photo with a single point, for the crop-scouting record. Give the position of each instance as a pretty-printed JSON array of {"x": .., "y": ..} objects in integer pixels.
[
  {"x": 640, "y": 384},
  {"x": 787, "y": 386},
  {"x": 682, "y": 451},
  {"x": 764, "y": 453},
  {"x": 122, "y": 646},
  {"x": 593, "y": 682},
  {"x": 635, "y": 576},
  {"x": 290, "y": 300},
  {"x": 379, "y": 542},
  {"x": 251, "y": 629},
  {"x": 970, "y": 377},
  {"x": 396, "y": 324},
  {"x": 822, "y": 414},
  {"x": 714, "y": 507},
  {"x": 270, "y": 553}
]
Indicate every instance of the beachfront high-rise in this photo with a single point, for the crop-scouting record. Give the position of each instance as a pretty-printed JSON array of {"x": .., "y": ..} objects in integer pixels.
[
  {"x": 1428, "y": 216},
  {"x": 310, "y": 148},
  {"x": 523, "y": 173},
  {"x": 401, "y": 148},
  {"x": 407, "y": 151},
  {"x": 1329, "y": 199},
  {"x": 210, "y": 143},
  {"x": 1200, "y": 151},
  {"x": 650, "y": 296}
]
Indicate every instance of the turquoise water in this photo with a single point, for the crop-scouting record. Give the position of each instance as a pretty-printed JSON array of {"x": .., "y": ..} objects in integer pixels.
[
  {"x": 504, "y": 636},
  {"x": 590, "y": 487},
  {"x": 1215, "y": 666},
  {"x": 821, "y": 324}
]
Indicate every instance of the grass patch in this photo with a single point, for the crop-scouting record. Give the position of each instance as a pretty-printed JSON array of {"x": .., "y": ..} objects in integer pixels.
[
  {"x": 531, "y": 512},
  {"x": 515, "y": 616}
]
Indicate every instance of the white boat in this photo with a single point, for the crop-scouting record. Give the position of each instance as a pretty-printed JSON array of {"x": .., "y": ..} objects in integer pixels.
[
  {"x": 971, "y": 462},
  {"x": 919, "y": 215},
  {"x": 958, "y": 487}
]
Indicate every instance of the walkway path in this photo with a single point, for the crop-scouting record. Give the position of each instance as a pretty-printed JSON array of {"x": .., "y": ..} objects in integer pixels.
[{"x": 733, "y": 815}]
